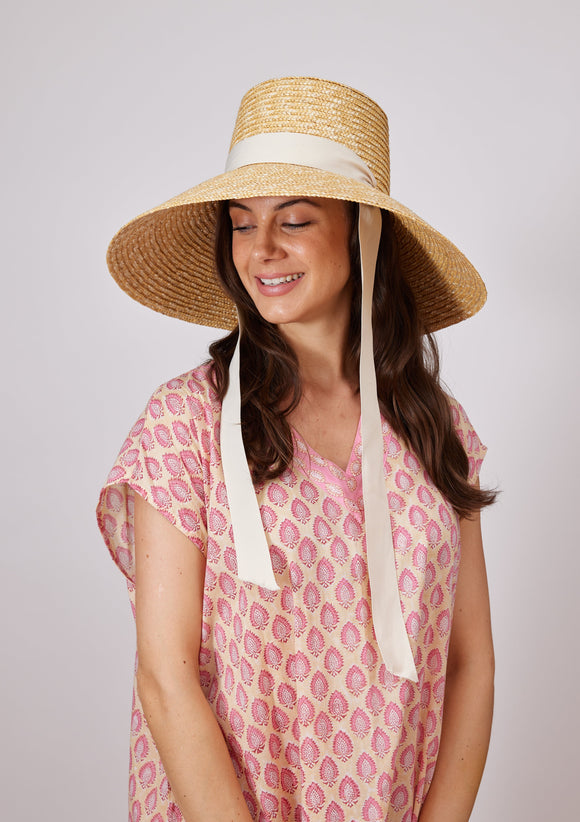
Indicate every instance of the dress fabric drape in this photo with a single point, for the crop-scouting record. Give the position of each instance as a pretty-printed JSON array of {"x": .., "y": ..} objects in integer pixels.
[{"x": 318, "y": 729}]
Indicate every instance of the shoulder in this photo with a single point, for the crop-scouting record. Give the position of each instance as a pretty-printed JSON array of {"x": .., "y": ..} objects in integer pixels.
[
  {"x": 189, "y": 395},
  {"x": 468, "y": 437},
  {"x": 461, "y": 422},
  {"x": 458, "y": 415},
  {"x": 183, "y": 412}
]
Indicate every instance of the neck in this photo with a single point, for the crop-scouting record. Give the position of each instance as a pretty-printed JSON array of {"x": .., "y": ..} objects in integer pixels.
[{"x": 320, "y": 349}]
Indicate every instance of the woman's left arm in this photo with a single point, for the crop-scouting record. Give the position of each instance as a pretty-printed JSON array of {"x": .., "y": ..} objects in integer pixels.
[{"x": 468, "y": 705}]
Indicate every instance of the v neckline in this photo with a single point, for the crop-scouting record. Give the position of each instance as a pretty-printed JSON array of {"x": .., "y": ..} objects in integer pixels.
[{"x": 327, "y": 463}]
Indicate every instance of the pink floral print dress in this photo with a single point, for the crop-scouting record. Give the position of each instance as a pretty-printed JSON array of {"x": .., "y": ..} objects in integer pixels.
[{"x": 317, "y": 728}]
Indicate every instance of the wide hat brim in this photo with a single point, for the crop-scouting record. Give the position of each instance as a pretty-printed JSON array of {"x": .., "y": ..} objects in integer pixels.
[{"x": 164, "y": 258}]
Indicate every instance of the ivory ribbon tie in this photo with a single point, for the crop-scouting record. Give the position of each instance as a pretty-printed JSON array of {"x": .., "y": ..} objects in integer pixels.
[{"x": 252, "y": 550}]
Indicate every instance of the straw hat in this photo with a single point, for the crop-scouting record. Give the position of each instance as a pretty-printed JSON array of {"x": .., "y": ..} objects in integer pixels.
[{"x": 165, "y": 260}]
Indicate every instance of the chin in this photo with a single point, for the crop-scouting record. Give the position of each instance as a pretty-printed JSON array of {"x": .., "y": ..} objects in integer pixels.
[{"x": 277, "y": 317}]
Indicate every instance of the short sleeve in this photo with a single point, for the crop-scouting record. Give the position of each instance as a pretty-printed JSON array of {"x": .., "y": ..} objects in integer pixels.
[
  {"x": 161, "y": 461},
  {"x": 468, "y": 437}
]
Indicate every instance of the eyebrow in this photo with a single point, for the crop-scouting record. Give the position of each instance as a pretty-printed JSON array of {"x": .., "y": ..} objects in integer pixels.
[{"x": 280, "y": 206}]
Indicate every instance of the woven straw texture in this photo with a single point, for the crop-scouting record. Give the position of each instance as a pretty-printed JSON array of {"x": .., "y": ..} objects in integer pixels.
[{"x": 164, "y": 258}]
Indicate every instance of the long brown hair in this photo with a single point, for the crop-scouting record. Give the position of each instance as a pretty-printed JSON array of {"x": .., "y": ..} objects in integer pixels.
[{"x": 406, "y": 362}]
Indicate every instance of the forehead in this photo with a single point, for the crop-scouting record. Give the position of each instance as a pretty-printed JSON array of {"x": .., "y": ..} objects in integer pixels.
[{"x": 256, "y": 205}]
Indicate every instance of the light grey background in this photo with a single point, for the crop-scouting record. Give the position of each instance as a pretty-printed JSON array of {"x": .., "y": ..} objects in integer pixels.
[{"x": 112, "y": 107}]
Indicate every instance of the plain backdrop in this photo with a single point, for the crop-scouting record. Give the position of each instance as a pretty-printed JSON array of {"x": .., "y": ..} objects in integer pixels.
[{"x": 110, "y": 108}]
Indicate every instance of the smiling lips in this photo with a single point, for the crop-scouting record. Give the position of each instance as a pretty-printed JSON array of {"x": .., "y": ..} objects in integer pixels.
[
  {"x": 279, "y": 280},
  {"x": 278, "y": 286}
]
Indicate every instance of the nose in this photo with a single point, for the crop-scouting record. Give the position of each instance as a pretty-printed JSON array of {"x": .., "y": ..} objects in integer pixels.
[{"x": 266, "y": 245}]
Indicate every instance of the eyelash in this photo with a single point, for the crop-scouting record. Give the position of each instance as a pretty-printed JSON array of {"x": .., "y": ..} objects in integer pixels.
[{"x": 284, "y": 225}]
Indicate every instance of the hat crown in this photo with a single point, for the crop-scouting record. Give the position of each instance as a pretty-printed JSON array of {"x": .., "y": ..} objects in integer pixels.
[{"x": 306, "y": 105}]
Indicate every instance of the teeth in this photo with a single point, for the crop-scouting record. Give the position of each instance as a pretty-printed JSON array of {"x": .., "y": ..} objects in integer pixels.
[{"x": 279, "y": 280}]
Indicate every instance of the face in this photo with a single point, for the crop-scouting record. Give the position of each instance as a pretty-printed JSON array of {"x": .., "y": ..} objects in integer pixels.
[{"x": 292, "y": 256}]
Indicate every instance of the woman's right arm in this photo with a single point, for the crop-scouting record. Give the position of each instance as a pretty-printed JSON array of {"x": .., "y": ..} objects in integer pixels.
[{"x": 169, "y": 598}]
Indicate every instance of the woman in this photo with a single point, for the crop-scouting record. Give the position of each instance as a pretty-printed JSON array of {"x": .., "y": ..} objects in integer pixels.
[{"x": 302, "y": 612}]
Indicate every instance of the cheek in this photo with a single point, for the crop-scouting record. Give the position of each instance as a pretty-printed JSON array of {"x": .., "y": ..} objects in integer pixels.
[
  {"x": 340, "y": 255},
  {"x": 236, "y": 253},
  {"x": 239, "y": 258}
]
